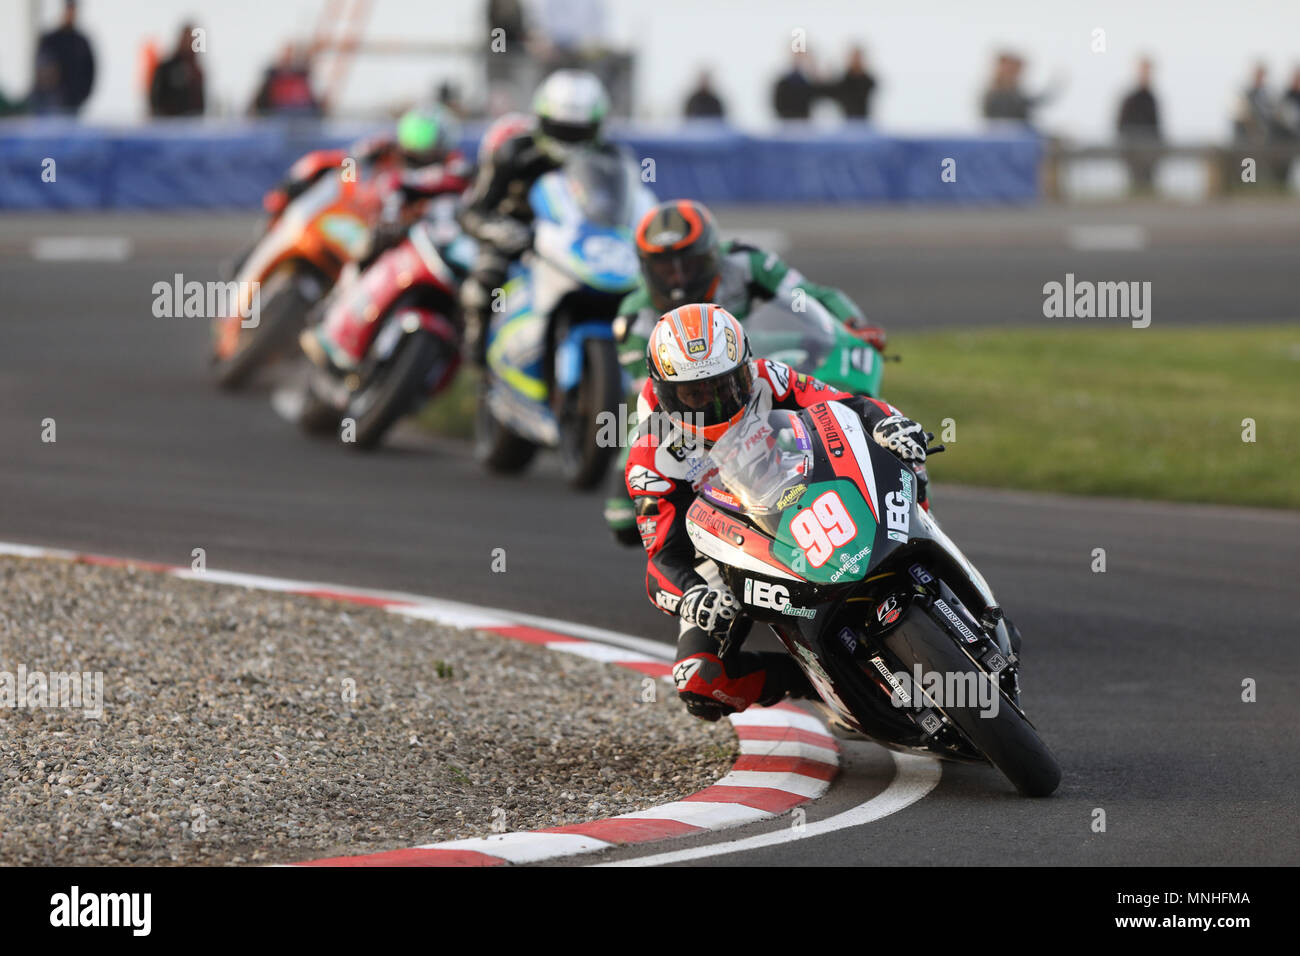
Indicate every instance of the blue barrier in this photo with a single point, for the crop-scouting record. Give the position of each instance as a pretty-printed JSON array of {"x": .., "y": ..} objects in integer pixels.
[{"x": 184, "y": 164}]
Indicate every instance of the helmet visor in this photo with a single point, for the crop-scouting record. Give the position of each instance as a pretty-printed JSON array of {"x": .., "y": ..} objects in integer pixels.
[
  {"x": 709, "y": 401},
  {"x": 680, "y": 278},
  {"x": 569, "y": 132}
]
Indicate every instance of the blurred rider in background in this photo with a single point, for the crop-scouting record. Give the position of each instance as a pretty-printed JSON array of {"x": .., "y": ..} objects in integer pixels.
[{"x": 568, "y": 111}]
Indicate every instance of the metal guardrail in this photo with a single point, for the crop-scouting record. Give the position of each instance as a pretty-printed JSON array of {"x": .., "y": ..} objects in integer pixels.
[{"x": 1224, "y": 164}]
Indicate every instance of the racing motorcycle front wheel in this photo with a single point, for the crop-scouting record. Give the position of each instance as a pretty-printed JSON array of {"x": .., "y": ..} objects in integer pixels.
[{"x": 1001, "y": 733}]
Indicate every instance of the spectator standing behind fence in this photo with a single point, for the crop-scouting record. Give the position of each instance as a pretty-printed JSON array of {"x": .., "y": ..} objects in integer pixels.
[
  {"x": 177, "y": 85},
  {"x": 703, "y": 103},
  {"x": 1259, "y": 121},
  {"x": 1139, "y": 126},
  {"x": 286, "y": 87},
  {"x": 796, "y": 90},
  {"x": 65, "y": 67},
  {"x": 1255, "y": 110},
  {"x": 853, "y": 90},
  {"x": 1288, "y": 108},
  {"x": 1005, "y": 100}
]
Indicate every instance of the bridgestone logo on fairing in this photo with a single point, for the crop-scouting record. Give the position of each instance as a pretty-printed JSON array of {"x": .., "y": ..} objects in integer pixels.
[
  {"x": 947, "y": 612},
  {"x": 903, "y": 696}
]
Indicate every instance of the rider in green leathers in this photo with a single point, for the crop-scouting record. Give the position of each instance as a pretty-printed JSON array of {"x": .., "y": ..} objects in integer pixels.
[{"x": 684, "y": 261}]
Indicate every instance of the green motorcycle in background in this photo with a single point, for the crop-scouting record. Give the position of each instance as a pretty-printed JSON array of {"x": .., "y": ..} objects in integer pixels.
[{"x": 810, "y": 340}]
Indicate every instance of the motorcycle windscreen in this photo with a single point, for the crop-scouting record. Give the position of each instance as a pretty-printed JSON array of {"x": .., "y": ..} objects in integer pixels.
[
  {"x": 822, "y": 524},
  {"x": 592, "y": 187},
  {"x": 802, "y": 340},
  {"x": 761, "y": 457}
]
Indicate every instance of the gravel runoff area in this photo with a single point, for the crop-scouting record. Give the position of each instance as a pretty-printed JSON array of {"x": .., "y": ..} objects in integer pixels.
[{"x": 232, "y": 731}]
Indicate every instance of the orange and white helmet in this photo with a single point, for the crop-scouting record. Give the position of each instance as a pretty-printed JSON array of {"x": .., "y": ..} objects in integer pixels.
[{"x": 700, "y": 371}]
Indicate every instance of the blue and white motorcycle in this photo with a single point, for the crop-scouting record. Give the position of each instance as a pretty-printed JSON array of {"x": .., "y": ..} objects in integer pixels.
[{"x": 553, "y": 377}]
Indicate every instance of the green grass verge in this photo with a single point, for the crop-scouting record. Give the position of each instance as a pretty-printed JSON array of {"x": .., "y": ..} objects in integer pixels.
[
  {"x": 1135, "y": 413},
  {"x": 1141, "y": 413},
  {"x": 452, "y": 414}
]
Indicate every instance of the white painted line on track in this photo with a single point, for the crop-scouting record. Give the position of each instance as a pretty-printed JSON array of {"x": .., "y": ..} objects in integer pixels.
[
  {"x": 82, "y": 248},
  {"x": 1107, "y": 238},
  {"x": 914, "y": 777}
]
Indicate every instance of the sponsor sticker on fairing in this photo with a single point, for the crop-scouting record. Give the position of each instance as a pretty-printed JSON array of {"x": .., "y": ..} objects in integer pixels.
[
  {"x": 849, "y": 563},
  {"x": 791, "y": 495},
  {"x": 887, "y": 612},
  {"x": 805, "y": 612},
  {"x": 897, "y": 521},
  {"x": 765, "y": 594}
]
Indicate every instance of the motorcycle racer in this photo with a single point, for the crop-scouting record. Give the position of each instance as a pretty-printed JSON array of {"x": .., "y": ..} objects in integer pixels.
[
  {"x": 423, "y": 137},
  {"x": 702, "y": 379},
  {"x": 410, "y": 165},
  {"x": 683, "y": 260},
  {"x": 427, "y": 139},
  {"x": 568, "y": 111}
]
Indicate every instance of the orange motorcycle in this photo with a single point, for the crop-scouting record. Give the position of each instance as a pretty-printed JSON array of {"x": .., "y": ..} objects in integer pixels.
[{"x": 310, "y": 239}]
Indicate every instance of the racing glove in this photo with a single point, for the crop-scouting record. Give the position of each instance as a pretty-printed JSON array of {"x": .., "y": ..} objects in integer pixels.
[
  {"x": 873, "y": 335},
  {"x": 709, "y": 609},
  {"x": 904, "y": 437},
  {"x": 510, "y": 236}
]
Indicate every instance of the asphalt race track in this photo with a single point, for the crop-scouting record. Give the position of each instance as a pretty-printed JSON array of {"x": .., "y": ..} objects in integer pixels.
[{"x": 1134, "y": 676}]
